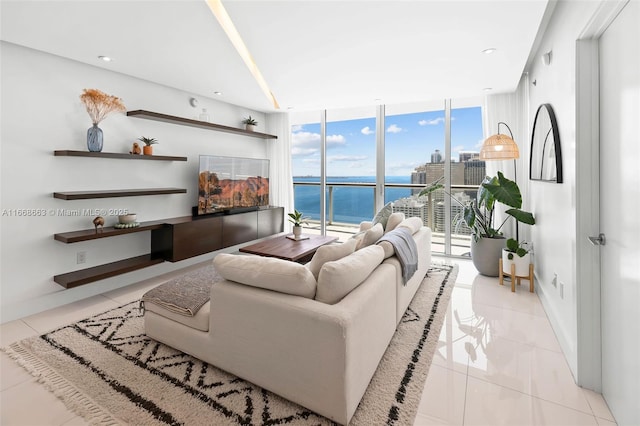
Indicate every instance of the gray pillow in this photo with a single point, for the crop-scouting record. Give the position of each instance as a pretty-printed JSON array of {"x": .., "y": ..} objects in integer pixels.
[{"x": 383, "y": 215}]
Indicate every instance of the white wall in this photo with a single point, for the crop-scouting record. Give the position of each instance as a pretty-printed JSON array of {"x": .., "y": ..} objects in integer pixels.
[
  {"x": 554, "y": 205},
  {"x": 41, "y": 112}
]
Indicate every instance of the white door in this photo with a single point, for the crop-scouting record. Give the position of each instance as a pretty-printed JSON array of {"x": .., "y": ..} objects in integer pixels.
[{"x": 619, "y": 50}]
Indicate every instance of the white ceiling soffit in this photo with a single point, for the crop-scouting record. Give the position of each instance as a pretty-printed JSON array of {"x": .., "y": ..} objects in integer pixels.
[{"x": 313, "y": 54}]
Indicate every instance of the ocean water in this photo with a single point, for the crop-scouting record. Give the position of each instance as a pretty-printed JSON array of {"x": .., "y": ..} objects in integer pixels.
[{"x": 350, "y": 204}]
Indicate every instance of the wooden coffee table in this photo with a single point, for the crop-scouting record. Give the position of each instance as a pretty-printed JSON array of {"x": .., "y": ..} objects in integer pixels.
[{"x": 284, "y": 248}]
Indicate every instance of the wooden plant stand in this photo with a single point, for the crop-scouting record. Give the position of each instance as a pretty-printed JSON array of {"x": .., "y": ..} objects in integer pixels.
[{"x": 515, "y": 278}]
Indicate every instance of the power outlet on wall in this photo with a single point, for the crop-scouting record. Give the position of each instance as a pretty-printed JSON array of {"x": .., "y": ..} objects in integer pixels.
[
  {"x": 561, "y": 288},
  {"x": 81, "y": 257}
]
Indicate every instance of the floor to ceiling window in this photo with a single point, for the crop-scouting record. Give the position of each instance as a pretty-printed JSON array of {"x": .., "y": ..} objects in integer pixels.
[
  {"x": 413, "y": 157},
  {"x": 414, "y": 147}
]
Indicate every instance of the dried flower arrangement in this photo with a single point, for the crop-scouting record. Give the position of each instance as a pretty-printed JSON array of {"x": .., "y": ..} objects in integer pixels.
[{"x": 99, "y": 104}]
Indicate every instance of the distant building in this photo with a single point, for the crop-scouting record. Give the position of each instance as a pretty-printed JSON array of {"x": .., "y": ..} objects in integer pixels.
[
  {"x": 468, "y": 156},
  {"x": 436, "y": 157},
  {"x": 474, "y": 172}
]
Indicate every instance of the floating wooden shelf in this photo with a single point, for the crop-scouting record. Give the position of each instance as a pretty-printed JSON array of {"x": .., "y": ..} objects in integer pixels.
[
  {"x": 83, "y": 195},
  {"x": 196, "y": 123},
  {"x": 85, "y": 276},
  {"x": 70, "y": 153},
  {"x": 110, "y": 231}
]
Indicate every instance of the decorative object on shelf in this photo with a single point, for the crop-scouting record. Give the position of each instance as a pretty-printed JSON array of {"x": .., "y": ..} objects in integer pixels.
[
  {"x": 99, "y": 105},
  {"x": 125, "y": 219},
  {"x": 297, "y": 219},
  {"x": 193, "y": 102},
  {"x": 147, "y": 148},
  {"x": 98, "y": 221},
  {"x": 126, "y": 225},
  {"x": 204, "y": 116},
  {"x": 135, "y": 149},
  {"x": 546, "y": 155},
  {"x": 250, "y": 124}
]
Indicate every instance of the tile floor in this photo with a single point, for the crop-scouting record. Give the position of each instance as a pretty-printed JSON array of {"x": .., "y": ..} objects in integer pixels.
[{"x": 498, "y": 363}]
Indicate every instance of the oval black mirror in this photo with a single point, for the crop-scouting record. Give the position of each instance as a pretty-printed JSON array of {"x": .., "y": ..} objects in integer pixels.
[{"x": 545, "y": 162}]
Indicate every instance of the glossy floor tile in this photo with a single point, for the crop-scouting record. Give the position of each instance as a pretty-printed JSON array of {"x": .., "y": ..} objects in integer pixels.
[{"x": 497, "y": 362}]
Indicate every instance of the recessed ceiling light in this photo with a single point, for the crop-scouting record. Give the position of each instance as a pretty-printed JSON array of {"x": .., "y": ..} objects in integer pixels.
[
  {"x": 488, "y": 89},
  {"x": 217, "y": 93},
  {"x": 105, "y": 58},
  {"x": 489, "y": 50}
]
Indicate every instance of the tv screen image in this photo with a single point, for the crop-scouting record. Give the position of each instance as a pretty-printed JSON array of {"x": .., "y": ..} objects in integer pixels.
[{"x": 226, "y": 183}]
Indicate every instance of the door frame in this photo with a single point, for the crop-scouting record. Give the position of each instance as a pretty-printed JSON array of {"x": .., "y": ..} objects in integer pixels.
[{"x": 588, "y": 309}]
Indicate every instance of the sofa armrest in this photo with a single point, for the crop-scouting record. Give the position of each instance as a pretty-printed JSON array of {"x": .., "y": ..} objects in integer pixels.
[{"x": 284, "y": 343}]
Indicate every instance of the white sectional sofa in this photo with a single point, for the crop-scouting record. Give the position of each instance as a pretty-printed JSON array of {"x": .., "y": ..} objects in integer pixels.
[{"x": 273, "y": 331}]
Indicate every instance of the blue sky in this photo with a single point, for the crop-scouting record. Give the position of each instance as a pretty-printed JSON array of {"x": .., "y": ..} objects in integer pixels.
[{"x": 410, "y": 139}]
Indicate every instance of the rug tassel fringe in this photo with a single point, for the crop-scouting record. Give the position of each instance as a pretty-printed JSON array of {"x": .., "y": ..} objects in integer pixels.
[{"x": 75, "y": 400}]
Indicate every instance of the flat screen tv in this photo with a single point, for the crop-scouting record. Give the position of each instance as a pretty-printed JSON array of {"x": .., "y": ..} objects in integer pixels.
[{"x": 228, "y": 183}]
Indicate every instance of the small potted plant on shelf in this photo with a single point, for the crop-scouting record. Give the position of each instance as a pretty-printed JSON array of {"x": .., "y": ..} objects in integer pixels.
[
  {"x": 249, "y": 123},
  {"x": 297, "y": 219},
  {"x": 147, "y": 149}
]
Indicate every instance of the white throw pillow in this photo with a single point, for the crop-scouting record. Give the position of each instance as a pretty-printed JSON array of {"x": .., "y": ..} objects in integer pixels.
[
  {"x": 394, "y": 220},
  {"x": 330, "y": 253},
  {"x": 369, "y": 236},
  {"x": 267, "y": 272},
  {"x": 412, "y": 223},
  {"x": 339, "y": 277}
]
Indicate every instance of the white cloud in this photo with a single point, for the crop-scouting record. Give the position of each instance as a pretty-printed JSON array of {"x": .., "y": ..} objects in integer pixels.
[
  {"x": 458, "y": 148},
  {"x": 479, "y": 144},
  {"x": 367, "y": 131},
  {"x": 347, "y": 157},
  {"x": 336, "y": 140},
  {"x": 433, "y": 122},
  {"x": 296, "y": 128},
  {"x": 297, "y": 151},
  {"x": 394, "y": 129},
  {"x": 305, "y": 139}
]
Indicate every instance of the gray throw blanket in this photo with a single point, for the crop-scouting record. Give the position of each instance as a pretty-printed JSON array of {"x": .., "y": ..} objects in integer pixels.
[
  {"x": 406, "y": 250},
  {"x": 186, "y": 294}
]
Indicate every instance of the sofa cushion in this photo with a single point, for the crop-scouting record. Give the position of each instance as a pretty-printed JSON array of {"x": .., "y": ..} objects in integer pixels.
[
  {"x": 388, "y": 248},
  {"x": 268, "y": 273},
  {"x": 413, "y": 223},
  {"x": 394, "y": 220},
  {"x": 339, "y": 277},
  {"x": 369, "y": 236},
  {"x": 330, "y": 252},
  {"x": 383, "y": 215}
]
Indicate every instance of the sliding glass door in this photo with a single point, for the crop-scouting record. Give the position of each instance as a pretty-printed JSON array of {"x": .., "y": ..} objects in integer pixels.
[{"x": 388, "y": 154}]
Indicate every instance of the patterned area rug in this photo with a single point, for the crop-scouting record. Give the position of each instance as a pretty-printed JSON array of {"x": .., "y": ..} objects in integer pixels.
[{"x": 106, "y": 370}]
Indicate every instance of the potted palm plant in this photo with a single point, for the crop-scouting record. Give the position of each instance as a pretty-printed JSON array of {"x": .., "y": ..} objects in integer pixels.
[
  {"x": 297, "y": 219},
  {"x": 249, "y": 123},
  {"x": 147, "y": 149}
]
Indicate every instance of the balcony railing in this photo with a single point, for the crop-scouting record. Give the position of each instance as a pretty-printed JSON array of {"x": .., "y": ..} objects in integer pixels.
[{"x": 429, "y": 208}]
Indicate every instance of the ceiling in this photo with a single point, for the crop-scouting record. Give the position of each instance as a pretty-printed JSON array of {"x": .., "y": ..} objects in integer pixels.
[{"x": 313, "y": 54}]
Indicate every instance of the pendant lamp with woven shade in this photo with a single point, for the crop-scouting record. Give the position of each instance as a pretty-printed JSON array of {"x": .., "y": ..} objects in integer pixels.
[{"x": 500, "y": 147}]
